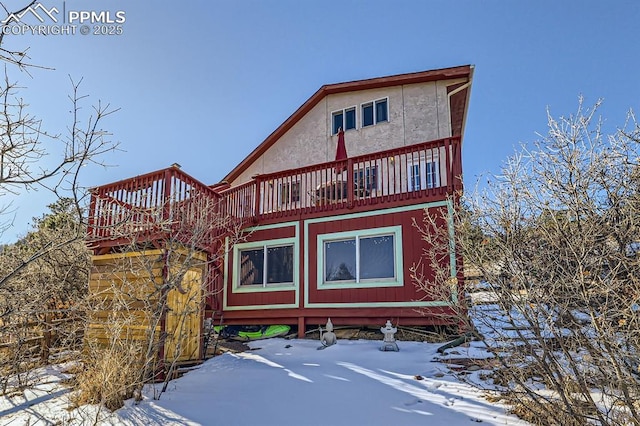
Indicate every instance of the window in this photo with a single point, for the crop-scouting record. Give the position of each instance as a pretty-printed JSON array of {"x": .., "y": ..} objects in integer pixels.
[
  {"x": 433, "y": 175},
  {"x": 366, "y": 179},
  {"x": 360, "y": 258},
  {"x": 375, "y": 112},
  {"x": 424, "y": 174},
  {"x": 367, "y": 114},
  {"x": 414, "y": 177},
  {"x": 381, "y": 111},
  {"x": 350, "y": 118},
  {"x": 340, "y": 260},
  {"x": 264, "y": 265},
  {"x": 289, "y": 192},
  {"x": 345, "y": 119}
]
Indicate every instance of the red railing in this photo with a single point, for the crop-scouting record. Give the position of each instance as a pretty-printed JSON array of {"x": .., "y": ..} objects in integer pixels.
[
  {"x": 163, "y": 202},
  {"x": 428, "y": 169},
  {"x": 170, "y": 202}
]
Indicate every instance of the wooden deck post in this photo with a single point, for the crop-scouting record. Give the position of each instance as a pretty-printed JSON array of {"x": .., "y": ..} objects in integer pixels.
[
  {"x": 91, "y": 220},
  {"x": 166, "y": 196},
  {"x": 256, "y": 207},
  {"x": 457, "y": 165},
  {"x": 449, "y": 161},
  {"x": 350, "y": 184}
]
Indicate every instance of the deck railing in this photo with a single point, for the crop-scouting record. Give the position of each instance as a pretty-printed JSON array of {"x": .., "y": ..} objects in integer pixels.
[
  {"x": 428, "y": 169},
  {"x": 161, "y": 202},
  {"x": 170, "y": 202}
]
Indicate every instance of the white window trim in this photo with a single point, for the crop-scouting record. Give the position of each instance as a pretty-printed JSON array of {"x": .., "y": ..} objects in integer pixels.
[
  {"x": 343, "y": 111},
  {"x": 396, "y": 281},
  {"x": 265, "y": 287},
  {"x": 434, "y": 158},
  {"x": 375, "y": 112}
]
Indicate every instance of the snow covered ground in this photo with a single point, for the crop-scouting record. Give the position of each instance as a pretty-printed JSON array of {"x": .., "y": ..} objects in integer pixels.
[{"x": 290, "y": 382}]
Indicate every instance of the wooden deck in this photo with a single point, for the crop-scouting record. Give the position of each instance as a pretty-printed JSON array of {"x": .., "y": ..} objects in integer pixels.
[
  {"x": 141, "y": 213},
  {"x": 153, "y": 207},
  {"x": 170, "y": 202}
]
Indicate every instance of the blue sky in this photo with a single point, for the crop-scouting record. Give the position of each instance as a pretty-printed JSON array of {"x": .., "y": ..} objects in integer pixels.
[{"x": 202, "y": 83}]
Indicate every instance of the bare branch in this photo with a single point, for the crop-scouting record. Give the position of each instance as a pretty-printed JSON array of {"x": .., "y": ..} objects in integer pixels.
[{"x": 555, "y": 238}]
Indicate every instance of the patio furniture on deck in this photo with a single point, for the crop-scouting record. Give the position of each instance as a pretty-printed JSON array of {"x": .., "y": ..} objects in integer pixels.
[{"x": 331, "y": 192}]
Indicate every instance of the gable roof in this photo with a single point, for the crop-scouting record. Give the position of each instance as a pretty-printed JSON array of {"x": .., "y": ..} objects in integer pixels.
[{"x": 464, "y": 71}]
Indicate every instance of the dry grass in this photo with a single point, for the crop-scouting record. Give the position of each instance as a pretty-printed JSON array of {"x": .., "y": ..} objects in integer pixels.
[
  {"x": 110, "y": 375},
  {"x": 543, "y": 416}
]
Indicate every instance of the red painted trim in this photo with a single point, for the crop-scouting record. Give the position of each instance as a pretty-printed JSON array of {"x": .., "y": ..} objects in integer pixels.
[
  {"x": 174, "y": 171},
  {"x": 351, "y": 316},
  {"x": 361, "y": 208},
  {"x": 464, "y": 71}
]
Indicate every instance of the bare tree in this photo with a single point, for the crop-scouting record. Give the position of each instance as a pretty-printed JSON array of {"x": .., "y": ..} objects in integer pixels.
[
  {"x": 17, "y": 57},
  {"x": 38, "y": 273},
  {"x": 41, "y": 306},
  {"x": 56, "y": 253},
  {"x": 556, "y": 238},
  {"x": 146, "y": 299}
]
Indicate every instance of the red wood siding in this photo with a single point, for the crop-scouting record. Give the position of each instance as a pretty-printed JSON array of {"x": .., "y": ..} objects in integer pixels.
[
  {"x": 393, "y": 202},
  {"x": 412, "y": 250},
  {"x": 361, "y": 316},
  {"x": 271, "y": 234},
  {"x": 458, "y": 107},
  {"x": 261, "y": 298},
  {"x": 375, "y": 298}
]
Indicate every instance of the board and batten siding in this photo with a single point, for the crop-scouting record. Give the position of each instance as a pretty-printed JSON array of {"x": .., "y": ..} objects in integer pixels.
[
  {"x": 254, "y": 297},
  {"x": 305, "y": 294},
  {"x": 379, "y": 294}
]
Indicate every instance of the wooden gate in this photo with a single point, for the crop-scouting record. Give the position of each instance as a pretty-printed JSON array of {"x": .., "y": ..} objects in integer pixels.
[
  {"x": 130, "y": 301},
  {"x": 183, "y": 320}
]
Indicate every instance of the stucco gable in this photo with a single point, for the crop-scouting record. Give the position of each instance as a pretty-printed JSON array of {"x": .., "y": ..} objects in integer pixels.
[{"x": 315, "y": 102}]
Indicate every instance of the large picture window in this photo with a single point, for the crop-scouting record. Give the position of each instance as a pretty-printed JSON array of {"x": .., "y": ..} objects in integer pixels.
[
  {"x": 265, "y": 264},
  {"x": 361, "y": 258}
]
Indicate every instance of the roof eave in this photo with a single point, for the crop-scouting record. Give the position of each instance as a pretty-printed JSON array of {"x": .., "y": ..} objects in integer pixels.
[{"x": 464, "y": 71}]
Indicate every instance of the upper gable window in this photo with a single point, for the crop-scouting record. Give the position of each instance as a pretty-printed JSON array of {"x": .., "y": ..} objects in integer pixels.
[
  {"x": 345, "y": 119},
  {"x": 375, "y": 112}
]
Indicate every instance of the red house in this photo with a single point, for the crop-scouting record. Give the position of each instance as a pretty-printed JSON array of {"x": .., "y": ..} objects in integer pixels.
[{"x": 328, "y": 233}]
